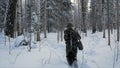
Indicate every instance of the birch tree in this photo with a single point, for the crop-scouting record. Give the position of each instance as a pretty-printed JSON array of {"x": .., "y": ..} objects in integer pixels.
[{"x": 104, "y": 17}]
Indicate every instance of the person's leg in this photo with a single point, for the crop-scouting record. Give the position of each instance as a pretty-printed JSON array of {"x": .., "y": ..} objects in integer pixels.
[
  {"x": 70, "y": 59},
  {"x": 74, "y": 61},
  {"x": 75, "y": 64}
]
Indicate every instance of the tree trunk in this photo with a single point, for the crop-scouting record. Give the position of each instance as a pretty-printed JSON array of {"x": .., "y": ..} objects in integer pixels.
[
  {"x": 0, "y": 17},
  {"x": 103, "y": 17},
  {"x": 19, "y": 19},
  {"x": 84, "y": 10},
  {"x": 108, "y": 22},
  {"x": 5, "y": 15},
  {"x": 38, "y": 22},
  {"x": 58, "y": 35},
  {"x": 118, "y": 34},
  {"x": 93, "y": 15},
  {"x": 9, "y": 31},
  {"x": 45, "y": 20},
  {"x": 30, "y": 23}
]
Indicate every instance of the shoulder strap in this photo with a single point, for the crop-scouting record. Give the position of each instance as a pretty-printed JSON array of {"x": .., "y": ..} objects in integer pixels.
[{"x": 70, "y": 38}]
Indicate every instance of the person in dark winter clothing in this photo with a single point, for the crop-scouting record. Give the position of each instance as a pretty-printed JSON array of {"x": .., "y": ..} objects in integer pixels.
[{"x": 71, "y": 38}]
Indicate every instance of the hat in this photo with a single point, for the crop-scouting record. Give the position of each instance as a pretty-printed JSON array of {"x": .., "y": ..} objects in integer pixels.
[{"x": 69, "y": 25}]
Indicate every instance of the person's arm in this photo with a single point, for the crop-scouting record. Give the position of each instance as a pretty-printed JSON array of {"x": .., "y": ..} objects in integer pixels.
[
  {"x": 78, "y": 36},
  {"x": 65, "y": 35}
]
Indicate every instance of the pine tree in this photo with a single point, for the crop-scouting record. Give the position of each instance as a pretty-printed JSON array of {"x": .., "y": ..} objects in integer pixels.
[
  {"x": 3, "y": 5},
  {"x": 9, "y": 30}
]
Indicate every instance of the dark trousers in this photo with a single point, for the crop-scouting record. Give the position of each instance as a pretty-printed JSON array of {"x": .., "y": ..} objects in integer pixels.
[{"x": 71, "y": 57}]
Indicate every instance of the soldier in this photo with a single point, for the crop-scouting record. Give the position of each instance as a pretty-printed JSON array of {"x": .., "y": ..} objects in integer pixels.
[{"x": 71, "y": 38}]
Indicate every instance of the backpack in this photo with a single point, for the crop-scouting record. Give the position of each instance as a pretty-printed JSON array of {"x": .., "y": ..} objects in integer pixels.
[
  {"x": 80, "y": 45},
  {"x": 77, "y": 42}
]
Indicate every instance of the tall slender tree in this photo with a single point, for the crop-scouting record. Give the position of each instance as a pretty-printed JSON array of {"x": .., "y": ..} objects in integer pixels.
[
  {"x": 93, "y": 15},
  {"x": 45, "y": 20},
  {"x": 84, "y": 11},
  {"x": 108, "y": 21},
  {"x": 103, "y": 17},
  {"x": 118, "y": 25},
  {"x": 38, "y": 22},
  {"x": 19, "y": 17},
  {"x": 9, "y": 30}
]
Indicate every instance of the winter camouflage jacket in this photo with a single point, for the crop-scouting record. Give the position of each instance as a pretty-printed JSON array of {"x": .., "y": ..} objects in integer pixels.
[{"x": 71, "y": 38}]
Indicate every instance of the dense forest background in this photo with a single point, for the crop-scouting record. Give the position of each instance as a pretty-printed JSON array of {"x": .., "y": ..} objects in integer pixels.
[
  {"x": 32, "y": 33},
  {"x": 19, "y": 17}
]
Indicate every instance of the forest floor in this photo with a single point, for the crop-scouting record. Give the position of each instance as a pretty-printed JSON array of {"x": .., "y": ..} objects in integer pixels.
[{"x": 50, "y": 54}]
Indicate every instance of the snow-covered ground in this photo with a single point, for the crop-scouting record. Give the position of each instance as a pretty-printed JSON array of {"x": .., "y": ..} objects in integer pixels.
[{"x": 50, "y": 54}]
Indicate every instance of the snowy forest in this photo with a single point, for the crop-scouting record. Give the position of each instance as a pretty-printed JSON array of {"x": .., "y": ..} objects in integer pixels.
[{"x": 32, "y": 33}]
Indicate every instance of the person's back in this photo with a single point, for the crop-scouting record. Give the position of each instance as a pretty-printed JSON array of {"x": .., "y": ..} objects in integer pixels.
[{"x": 71, "y": 38}]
